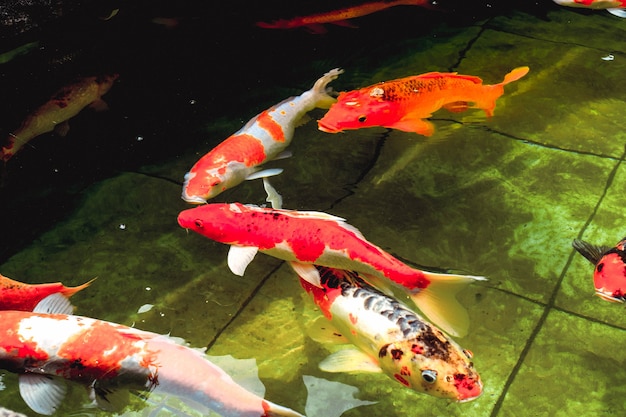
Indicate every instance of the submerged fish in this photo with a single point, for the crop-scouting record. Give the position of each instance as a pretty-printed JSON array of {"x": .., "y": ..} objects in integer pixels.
[
  {"x": 340, "y": 17},
  {"x": 16, "y": 295},
  {"x": 390, "y": 338},
  {"x": 404, "y": 103},
  {"x": 262, "y": 139},
  {"x": 615, "y": 7},
  {"x": 307, "y": 238},
  {"x": 62, "y": 106},
  {"x": 107, "y": 357},
  {"x": 609, "y": 275}
]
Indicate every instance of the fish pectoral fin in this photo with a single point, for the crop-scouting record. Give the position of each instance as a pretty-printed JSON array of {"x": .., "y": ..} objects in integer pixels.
[
  {"x": 62, "y": 129},
  {"x": 239, "y": 257},
  {"x": 457, "y": 106},
  {"x": 349, "y": 360},
  {"x": 414, "y": 124},
  {"x": 322, "y": 331},
  {"x": 617, "y": 12},
  {"x": 109, "y": 399},
  {"x": 591, "y": 252},
  {"x": 264, "y": 173},
  {"x": 99, "y": 105},
  {"x": 438, "y": 301},
  {"x": 42, "y": 393},
  {"x": 307, "y": 272},
  {"x": 54, "y": 304}
]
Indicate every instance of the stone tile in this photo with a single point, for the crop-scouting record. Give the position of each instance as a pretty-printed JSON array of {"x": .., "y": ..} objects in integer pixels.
[
  {"x": 479, "y": 203},
  {"x": 573, "y": 368}
]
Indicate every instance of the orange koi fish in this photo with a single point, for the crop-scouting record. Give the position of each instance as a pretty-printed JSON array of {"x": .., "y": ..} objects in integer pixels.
[
  {"x": 54, "y": 114},
  {"x": 306, "y": 239},
  {"x": 262, "y": 139},
  {"x": 314, "y": 23},
  {"x": 404, "y": 103},
  {"x": 49, "y": 346},
  {"x": 15, "y": 295},
  {"x": 615, "y": 7},
  {"x": 609, "y": 275}
]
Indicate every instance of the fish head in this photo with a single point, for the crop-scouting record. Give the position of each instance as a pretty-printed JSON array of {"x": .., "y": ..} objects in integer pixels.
[
  {"x": 432, "y": 364},
  {"x": 207, "y": 180},
  {"x": 359, "y": 109},
  {"x": 593, "y": 4},
  {"x": 105, "y": 82},
  {"x": 197, "y": 190},
  {"x": 221, "y": 222},
  {"x": 609, "y": 275}
]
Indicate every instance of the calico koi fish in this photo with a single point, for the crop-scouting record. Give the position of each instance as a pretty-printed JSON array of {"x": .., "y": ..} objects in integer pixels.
[
  {"x": 390, "y": 338},
  {"x": 16, "y": 295},
  {"x": 262, "y": 139},
  {"x": 44, "y": 349},
  {"x": 54, "y": 114},
  {"x": 307, "y": 238},
  {"x": 609, "y": 275},
  {"x": 404, "y": 103},
  {"x": 314, "y": 23},
  {"x": 615, "y": 7}
]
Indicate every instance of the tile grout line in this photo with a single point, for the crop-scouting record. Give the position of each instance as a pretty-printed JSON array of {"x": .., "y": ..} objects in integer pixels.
[{"x": 550, "y": 304}]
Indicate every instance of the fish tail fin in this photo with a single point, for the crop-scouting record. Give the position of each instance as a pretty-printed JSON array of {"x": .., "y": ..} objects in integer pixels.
[
  {"x": 69, "y": 291},
  {"x": 275, "y": 410},
  {"x": 438, "y": 301},
  {"x": 515, "y": 75},
  {"x": 320, "y": 89}
]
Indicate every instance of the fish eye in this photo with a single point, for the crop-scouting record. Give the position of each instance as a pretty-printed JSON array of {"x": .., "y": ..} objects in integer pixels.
[
  {"x": 429, "y": 376},
  {"x": 198, "y": 223},
  {"x": 362, "y": 118}
]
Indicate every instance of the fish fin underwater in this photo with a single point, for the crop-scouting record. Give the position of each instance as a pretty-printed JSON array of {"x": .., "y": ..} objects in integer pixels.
[
  {"x": 350, "y": 360},
  {"x": 438, "y": 301},
  {"x": 322, "y": 331},
  {"x": 307, "y": 272},
  {"x": 592, "y": 253},
  {"x": 239, "y": 257},
  {"x": 42, "y": 393},
  {"x": 617, "y": 12},
  {"x": 54, "y": 304}
]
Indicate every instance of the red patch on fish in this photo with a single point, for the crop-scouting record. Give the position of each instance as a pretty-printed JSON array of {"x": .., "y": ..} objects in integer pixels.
[
  {"x": 402, "y": 380},
  {"x": 14, "y": 343}
]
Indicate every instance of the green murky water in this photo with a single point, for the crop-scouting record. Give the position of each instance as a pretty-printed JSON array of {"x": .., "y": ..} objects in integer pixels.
[{"x": 502, "y": 197}]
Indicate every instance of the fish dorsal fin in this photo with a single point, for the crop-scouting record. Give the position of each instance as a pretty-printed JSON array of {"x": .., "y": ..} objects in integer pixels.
[
  {"x": 54, "y": 304},
  {"x": 244, "y": 372},
  {"x": 438, "y": 302},
  {"x": 307, "y": 272},
  {"x": 42, "y": 393},
  {"x": 239, "y": 257},
  {"x": 317, "y": 215},
  {"x": 349, "y": 360},
  {"x": 591, "y": 252},
  {"x": 322, "y": 331}
]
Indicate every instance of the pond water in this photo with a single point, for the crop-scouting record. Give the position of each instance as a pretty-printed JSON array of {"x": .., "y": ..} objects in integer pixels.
[{"x": 501, "y": 197}]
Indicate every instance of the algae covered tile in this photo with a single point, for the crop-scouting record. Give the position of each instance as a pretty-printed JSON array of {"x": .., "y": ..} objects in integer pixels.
[{"x": 574, "y": 367}]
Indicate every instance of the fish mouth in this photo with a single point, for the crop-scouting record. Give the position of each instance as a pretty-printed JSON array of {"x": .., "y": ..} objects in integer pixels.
[
  {"x": 324, "y": 127},
  {"x": 194, "y": 199},
  {"x": 610, "y": 296},
  {"x": 468, "y": 389}
]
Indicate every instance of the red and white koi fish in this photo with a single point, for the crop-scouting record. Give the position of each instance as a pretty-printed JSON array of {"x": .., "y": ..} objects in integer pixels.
[
  {"x": 54, "y": 114},
  {"x": 609, "y": 275},
  {"x": 44, "y": 349},
  {"x": 405, "y": 103},
  {"x": 314, "y": 23},
  {"x": 615, "y": 7},
  {"x": 262, "y": 139},
  {"x": 307, "y": 238},
  {"x": 390, "y": 338},
  {"x": 16, "y": 295}
]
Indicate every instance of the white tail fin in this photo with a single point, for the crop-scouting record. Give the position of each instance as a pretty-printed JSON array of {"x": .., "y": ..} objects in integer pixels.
[
  {"x": 438, "y": 301},
  {"x": 320, "y": 89}
]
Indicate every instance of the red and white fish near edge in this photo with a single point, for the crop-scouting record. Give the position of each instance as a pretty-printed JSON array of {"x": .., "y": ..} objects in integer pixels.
[
  {"x": 44, "y": 349},
  {"x": 262, "y": 139},
  {"x": 308, "y": 238}
]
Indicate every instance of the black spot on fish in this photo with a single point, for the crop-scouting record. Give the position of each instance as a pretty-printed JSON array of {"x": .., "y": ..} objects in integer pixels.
[
  {"x": 383, "y": 351},
  {"x": 396, "y": 354},
  {"x": 600, "y": 267}
]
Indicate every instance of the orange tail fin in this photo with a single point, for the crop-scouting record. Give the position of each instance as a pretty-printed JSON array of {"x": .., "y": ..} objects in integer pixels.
[
  {"x": 515, "y": 75},
  {"x": 69, "y": 291}
]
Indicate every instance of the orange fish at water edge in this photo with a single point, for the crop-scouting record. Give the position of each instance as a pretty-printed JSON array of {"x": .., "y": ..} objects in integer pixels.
[
  {"x": 609, "y": 275},
  {"x": 15, "y": 295},
  {"x": 54, "y": 114},
  {"x": 404, "y": 103},
  {"x": 314, "y": 23}
]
